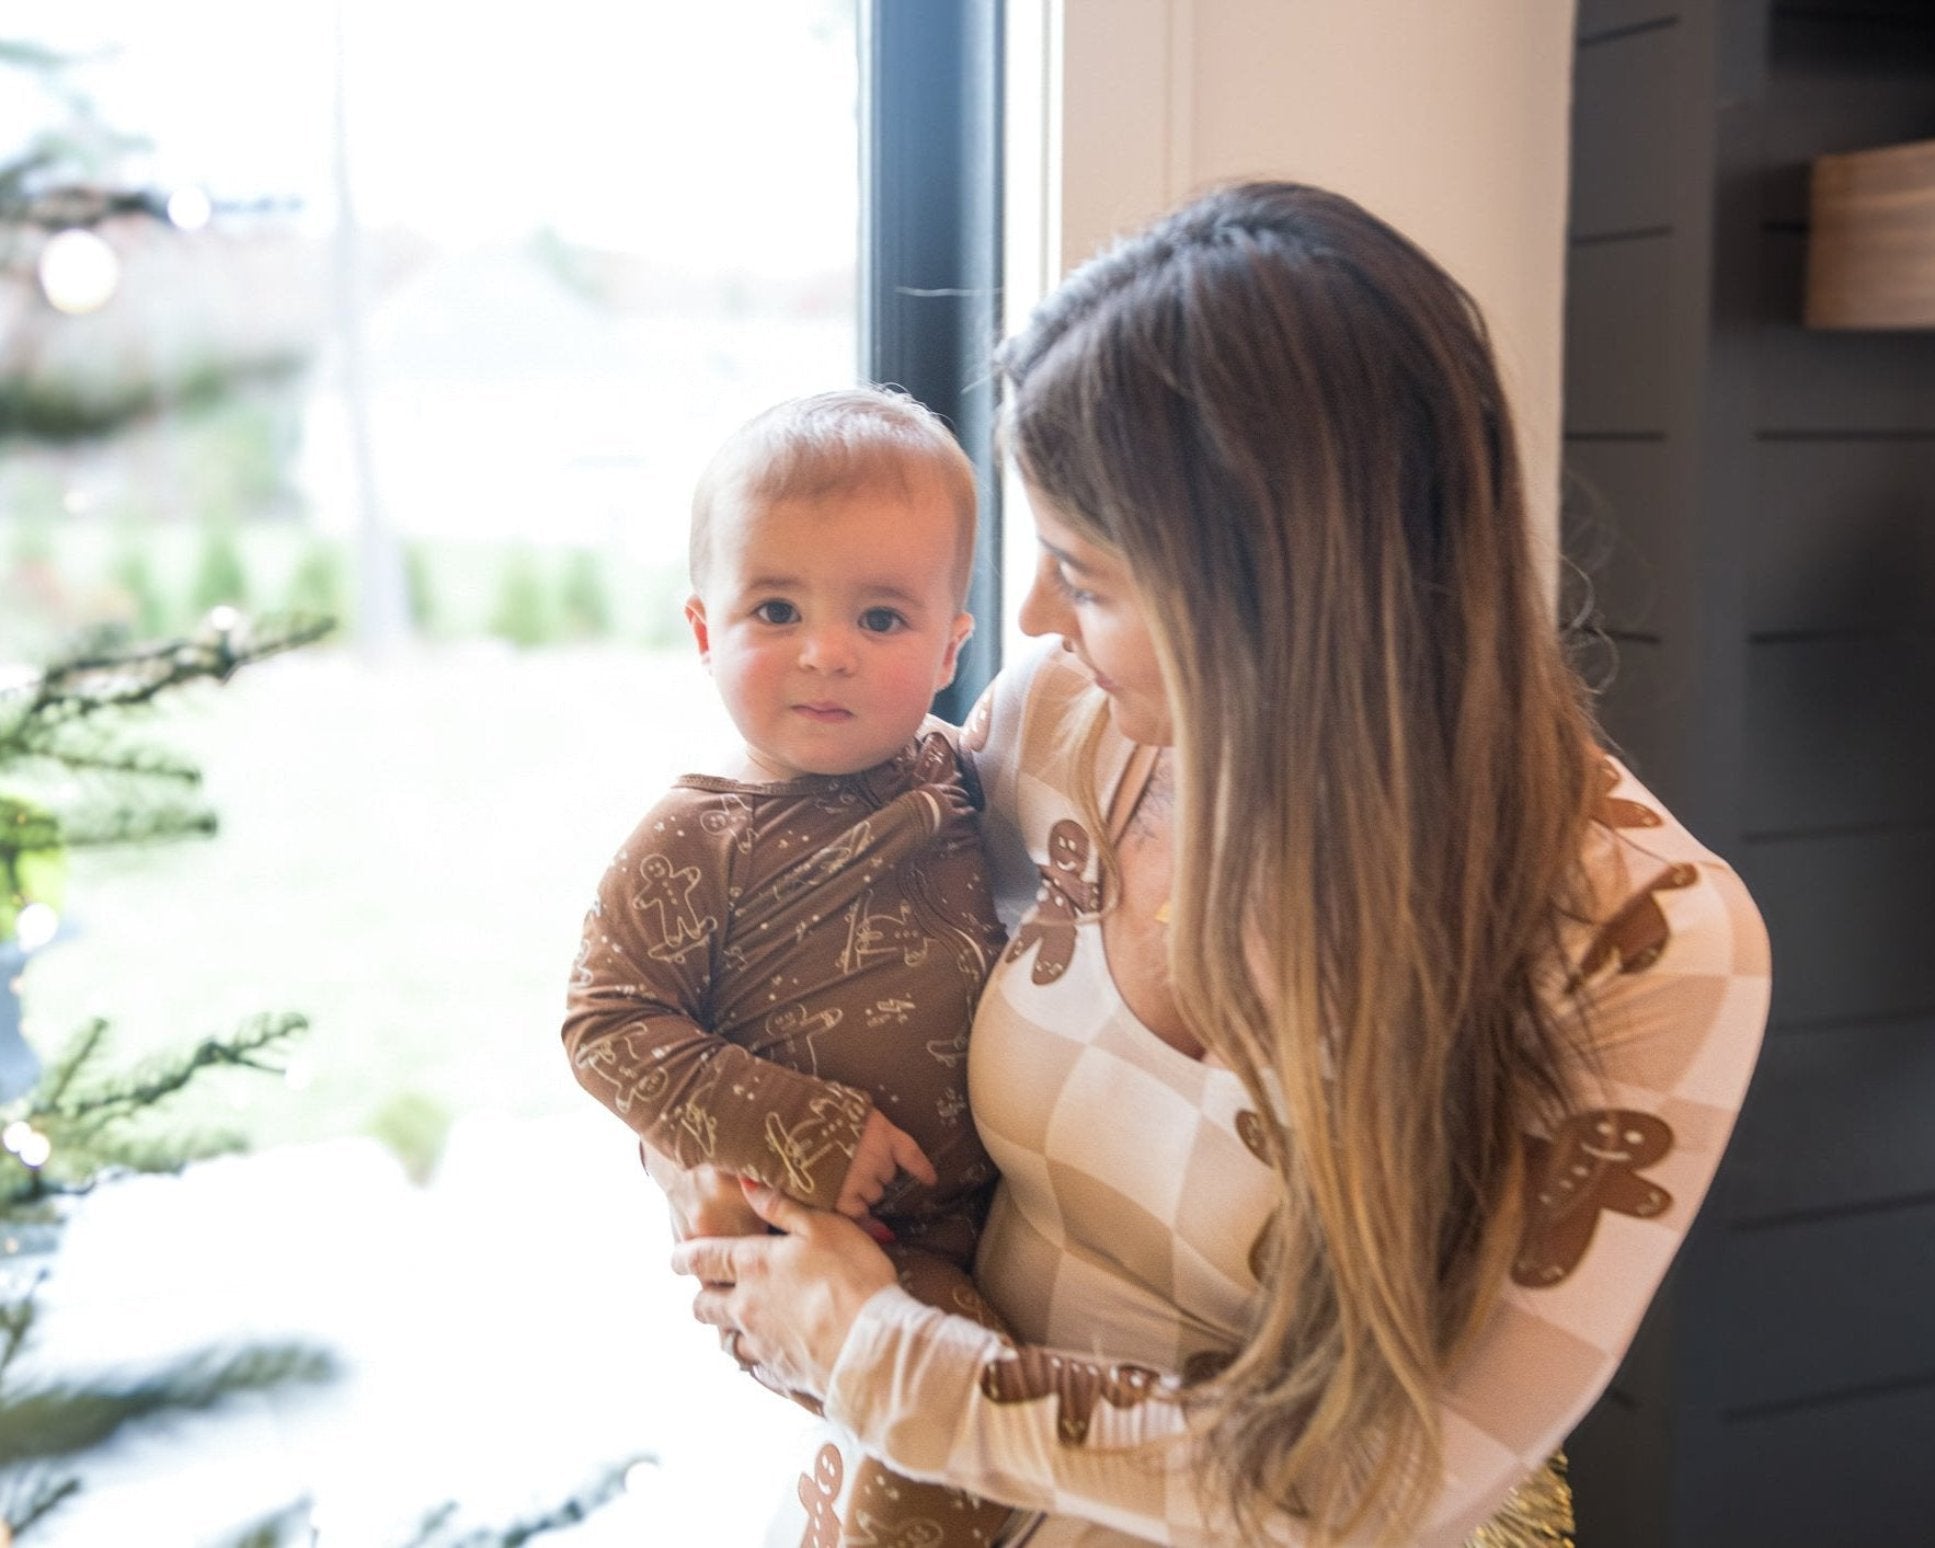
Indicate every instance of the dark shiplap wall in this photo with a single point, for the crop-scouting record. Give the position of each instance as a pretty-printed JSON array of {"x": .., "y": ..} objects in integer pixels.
[{"x": 1756, "y": 505}]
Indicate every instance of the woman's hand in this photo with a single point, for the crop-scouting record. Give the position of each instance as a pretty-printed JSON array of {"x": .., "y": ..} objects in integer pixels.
[
  {"x": 786, "y": 1303},
  {"x": 704, "y": 1200}
]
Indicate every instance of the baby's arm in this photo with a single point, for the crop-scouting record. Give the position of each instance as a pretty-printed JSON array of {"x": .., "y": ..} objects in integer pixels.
[{"x": 636, "y": 1031}]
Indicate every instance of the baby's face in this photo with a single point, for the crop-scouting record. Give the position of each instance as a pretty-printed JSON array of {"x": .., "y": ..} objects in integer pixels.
[{"x": 830, "y": 624}]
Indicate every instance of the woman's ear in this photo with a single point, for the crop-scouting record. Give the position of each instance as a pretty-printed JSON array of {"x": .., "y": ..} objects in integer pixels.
[{"x": 695, "y": 620}]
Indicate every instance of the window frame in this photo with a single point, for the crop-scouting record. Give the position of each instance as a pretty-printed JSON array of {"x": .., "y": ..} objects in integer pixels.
[{"x": 930, "y": 252}]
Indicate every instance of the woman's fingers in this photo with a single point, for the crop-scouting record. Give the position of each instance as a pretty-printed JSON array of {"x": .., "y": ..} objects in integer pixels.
[
  {"x": 792, "y": 1297},
  {"x": 776, "y": 1209},
  {"x": 711, "y": 1305},
  {"x": 711, "y": 1259}
]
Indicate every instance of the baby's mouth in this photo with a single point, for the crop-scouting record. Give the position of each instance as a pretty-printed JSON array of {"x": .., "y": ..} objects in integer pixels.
[{"x": 828, "y": 713}]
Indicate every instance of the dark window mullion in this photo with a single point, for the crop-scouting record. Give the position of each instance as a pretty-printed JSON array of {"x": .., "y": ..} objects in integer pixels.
[{"x": 930, "y": 249}]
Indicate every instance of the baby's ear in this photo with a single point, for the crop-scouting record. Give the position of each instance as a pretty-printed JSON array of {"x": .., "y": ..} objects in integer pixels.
[
  {"x": 959, "y": 630},
  {"x": 695, "y": 620}
]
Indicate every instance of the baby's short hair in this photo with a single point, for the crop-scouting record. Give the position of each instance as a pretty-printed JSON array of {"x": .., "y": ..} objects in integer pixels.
[{"x": 830, "y": 443}]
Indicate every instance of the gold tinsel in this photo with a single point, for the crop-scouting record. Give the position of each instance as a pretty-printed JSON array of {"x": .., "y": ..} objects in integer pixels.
[{"x": 1537, "y": 1514}]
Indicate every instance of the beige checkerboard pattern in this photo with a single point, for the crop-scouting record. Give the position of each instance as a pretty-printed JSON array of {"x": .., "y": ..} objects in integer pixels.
[{"x": 1130, "y": 1201}]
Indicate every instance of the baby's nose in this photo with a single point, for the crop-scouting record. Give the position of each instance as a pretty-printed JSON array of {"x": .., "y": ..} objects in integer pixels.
[{"x": 827, "y": 649}]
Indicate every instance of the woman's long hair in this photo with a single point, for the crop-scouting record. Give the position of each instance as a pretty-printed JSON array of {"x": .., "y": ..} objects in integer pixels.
[{"x": 1287, "y": 420}]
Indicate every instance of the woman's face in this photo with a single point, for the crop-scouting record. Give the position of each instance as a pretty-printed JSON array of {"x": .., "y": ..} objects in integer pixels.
[{"x": 1083, "y": 592}]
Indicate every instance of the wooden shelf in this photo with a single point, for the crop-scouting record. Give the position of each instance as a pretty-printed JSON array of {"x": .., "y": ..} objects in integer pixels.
[{"x": 1871, "y": 248}]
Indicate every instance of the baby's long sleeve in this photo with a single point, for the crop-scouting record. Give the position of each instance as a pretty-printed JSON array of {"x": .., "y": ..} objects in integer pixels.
[{"x": 637, "y": 1018}]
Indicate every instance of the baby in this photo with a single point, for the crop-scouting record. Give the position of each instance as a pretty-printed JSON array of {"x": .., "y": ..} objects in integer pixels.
[{"x": 777, "y": 976}]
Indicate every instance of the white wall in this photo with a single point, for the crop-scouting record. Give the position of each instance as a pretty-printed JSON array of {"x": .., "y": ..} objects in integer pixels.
[{"x": 1449, "y": 118}]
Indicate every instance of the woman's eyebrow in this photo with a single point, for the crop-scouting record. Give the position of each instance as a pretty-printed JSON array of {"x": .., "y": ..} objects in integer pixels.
[{"x": 1065, "y": 557}]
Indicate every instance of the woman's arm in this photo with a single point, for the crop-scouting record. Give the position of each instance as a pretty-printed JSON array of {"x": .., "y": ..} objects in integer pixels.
[{"x": 940, "y": 1397}]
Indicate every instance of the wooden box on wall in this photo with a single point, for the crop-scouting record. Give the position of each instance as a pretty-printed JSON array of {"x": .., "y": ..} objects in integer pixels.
[{"x": 1871, "y": 239}]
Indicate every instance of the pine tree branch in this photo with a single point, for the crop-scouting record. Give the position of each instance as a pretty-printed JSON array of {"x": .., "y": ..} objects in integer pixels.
[
  {"x": 431, "y": 1525},
  {"x": 65, "y": 1418},
  {"x": 83, "y": 1117},
  {"x": 248, "y": 1047},
  {"x": 17, "y": 1325},
  {"x": 67, "y": 1065},
  {"x": 93, "y": 682},
  {"x": 39, "y": 1494},
  {"x": 93, "y": 753},
  {"x": 33, "y": 56},
  {"x": 580, "y": 1506},
  {"x": 276, "y": 1528},
  {"x": 132, "y": 824}
]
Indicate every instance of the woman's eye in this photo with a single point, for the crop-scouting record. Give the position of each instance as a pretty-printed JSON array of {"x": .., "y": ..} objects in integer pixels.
[
  {"x": 1070, "y": 590},
  {"x": 881, "y": 620},
  {"x": 777, "y": 612}
]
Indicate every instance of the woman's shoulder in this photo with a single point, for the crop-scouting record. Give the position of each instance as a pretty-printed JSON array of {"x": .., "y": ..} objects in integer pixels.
[
  {"x": 1670, "y": 952},
  {"x": 1026, "y": 717},
  {"x": 1635, "y": 845}
]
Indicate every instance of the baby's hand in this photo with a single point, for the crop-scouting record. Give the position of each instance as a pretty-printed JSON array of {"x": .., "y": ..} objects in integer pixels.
[{"x": 883, "y": 1150}]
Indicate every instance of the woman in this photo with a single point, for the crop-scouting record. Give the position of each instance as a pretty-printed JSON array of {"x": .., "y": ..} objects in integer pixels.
[{"x": 1372, "y": 1037}]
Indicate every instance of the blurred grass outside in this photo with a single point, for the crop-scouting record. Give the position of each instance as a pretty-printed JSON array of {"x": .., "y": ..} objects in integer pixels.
[{"x": 152, "y": 577}]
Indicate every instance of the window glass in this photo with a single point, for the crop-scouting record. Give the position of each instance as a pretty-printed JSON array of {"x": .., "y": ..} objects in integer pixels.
[{"x": 426, "y": 317}]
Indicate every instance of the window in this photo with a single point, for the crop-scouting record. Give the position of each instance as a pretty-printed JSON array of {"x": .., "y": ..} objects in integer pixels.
[{"x": 581, "y": 245}]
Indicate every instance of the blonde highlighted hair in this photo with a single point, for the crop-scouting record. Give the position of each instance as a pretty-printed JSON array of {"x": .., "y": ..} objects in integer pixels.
[
  {"x": 1287, "y": 421},
  {"x": 841, "y": 442}
]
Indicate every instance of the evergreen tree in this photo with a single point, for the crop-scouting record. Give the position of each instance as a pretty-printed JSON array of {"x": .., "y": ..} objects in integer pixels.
[{"x": 71, "y": 775}]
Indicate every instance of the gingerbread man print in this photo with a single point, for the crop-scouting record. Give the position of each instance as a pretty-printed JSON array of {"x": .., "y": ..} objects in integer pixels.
[
  {"x": 820, "y": 1494},
  {"x": 826, "y": 862},
  {"x": 1592, "y": 1164},
  {"x": 876, "y": 936},
  {"x": 730, "y": 816},
  {"x": 1635, "y": 936},
  {"x": 667, "y": 896},
  {"x": 1079, "y": 1386},
  {"x": 619, "y": 1063},
  {"x": 827, "y": 1134},
  {"x": 1064, "y": 896},
  {"x": 1616, "y": 812}
]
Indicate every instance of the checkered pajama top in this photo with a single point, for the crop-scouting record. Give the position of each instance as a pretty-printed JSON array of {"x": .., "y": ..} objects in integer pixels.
[{"x": 1132, "y": 1190}]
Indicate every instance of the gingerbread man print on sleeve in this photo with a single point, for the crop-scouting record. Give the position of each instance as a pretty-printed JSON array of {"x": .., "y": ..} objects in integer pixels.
[
  {"x": 1592, "y": 1164},
  {"x": 820, "y": 1493},
  {"x": 664, "y": 904},
  {"x": 1078, "y": 1386}
]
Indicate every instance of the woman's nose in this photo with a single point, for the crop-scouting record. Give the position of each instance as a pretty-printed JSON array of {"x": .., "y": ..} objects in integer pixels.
[{"x": 1044, "y": 610}]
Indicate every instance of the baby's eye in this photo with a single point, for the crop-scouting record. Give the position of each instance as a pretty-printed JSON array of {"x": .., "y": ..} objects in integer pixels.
[
  {"x": 777, "y": 612},
  {"x": 881, "y": 620}
]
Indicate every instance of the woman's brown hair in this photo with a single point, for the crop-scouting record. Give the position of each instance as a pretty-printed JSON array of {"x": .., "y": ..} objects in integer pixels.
[{"x": 1287, "y": 420}]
